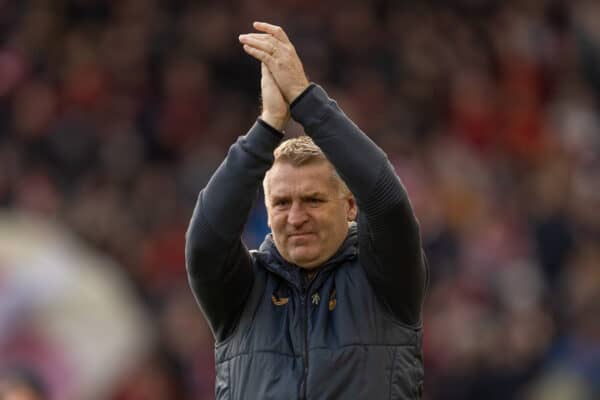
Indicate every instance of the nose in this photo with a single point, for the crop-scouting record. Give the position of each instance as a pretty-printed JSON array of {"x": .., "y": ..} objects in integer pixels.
[{"x": 297, "y": 215}]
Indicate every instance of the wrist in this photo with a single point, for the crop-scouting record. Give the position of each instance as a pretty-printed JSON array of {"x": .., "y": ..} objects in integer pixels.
[
  {"x": 296, "y": 91},
  {"x": 276, "y": 122}
]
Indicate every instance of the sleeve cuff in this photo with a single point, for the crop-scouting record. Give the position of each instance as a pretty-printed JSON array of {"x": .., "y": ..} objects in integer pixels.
[
  {"x": 268, "y": 127},
  {"x": 309, "y": 108},
  {"x": 301, "y": 95},
  {"x": 261, "y": 140}
]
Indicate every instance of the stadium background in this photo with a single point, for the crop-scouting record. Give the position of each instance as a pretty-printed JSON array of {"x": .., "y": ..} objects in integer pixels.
[{"x": 113, "y": 114}]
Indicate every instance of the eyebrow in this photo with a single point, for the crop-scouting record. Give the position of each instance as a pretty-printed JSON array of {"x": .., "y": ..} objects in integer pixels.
[
  {"x": 275, "y": 196},
  {"x": 314, "y": 194}
]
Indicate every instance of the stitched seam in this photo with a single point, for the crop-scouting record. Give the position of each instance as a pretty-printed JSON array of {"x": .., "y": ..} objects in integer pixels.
[
  {"x": 380, "y": 177},
  {"x": 361, "y": 345},
  {"x": 392, "y": 373},
  {"x": 260, "y": 352}
]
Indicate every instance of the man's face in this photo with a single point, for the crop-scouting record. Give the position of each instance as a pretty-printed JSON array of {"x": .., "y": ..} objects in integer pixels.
[{"x": 308, "y": 212}]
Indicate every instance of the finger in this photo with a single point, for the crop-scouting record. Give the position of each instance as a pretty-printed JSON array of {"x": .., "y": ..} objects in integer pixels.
[
  {"x": 259, "y": 36},
  {"x": 274, "y": 30},
  {"x": 258, "y": 42},
  {"x": 259, "y": 54}
]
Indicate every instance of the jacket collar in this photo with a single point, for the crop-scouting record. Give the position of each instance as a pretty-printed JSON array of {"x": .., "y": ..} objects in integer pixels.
[{"x": 274, "y": 262}]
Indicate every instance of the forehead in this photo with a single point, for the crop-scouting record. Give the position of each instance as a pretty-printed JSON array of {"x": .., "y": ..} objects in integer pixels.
[{"x": 285, "y": 178}]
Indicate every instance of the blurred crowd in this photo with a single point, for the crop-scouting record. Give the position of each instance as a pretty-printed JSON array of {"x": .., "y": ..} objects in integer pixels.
[{"x": 113, "y": 115}]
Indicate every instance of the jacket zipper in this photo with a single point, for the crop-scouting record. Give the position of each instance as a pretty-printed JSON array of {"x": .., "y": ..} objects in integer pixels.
[
  {"x": 304, "y": 304},
  {"x": 304, "y": 292}
]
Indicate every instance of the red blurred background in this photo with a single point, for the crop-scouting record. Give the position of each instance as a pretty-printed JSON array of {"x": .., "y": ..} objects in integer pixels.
[{"x": 113, "y": 115}]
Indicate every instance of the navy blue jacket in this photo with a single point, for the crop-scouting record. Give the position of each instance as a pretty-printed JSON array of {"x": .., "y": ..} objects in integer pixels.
[{"x": 354, "y": 330}]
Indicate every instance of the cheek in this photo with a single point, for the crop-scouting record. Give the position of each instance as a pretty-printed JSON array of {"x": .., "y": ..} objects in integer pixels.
[
  {"x": 276, "y": 223},
  {"x": 337, "y": 224}
]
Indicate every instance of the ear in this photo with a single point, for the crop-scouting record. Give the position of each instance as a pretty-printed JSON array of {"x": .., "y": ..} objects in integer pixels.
[
  {"x": 352, "y": 208},
  {"x": 268, "y": 215}
]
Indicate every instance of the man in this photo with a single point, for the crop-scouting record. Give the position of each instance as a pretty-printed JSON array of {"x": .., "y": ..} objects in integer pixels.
[{"x": 327, "y": 308}]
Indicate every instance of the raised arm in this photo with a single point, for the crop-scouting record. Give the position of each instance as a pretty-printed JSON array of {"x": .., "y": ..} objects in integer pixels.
[
  {"x": 218, "y": 264},
  {"x": 390, "y": 245}
]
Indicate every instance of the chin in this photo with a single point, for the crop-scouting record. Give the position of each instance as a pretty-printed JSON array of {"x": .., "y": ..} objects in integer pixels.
[
  {"x": 308, "y": 266},
  {"x": 305, "y": 261}
]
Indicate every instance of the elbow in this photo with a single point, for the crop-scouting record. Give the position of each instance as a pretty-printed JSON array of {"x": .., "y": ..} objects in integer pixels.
[
  {"x": 204, "y": 255},
  {"x": 198, "y": 244},
  {"x": 193, "y": 251}
]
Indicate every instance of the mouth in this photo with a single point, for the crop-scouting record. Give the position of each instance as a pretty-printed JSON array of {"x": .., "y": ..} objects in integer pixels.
[{"x": 300, "y": 235}]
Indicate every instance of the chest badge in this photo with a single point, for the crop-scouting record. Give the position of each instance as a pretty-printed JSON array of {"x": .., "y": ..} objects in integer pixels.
[
  {"x": 332, "y": 300},
  {"x": 316, "y": 299},
  {"x": 279, "y": 301}
]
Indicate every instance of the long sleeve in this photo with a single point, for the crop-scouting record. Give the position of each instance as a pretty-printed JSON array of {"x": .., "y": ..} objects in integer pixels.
[
  {"x": 218, "y": 264},
  {"x": 389, "y": 239}
]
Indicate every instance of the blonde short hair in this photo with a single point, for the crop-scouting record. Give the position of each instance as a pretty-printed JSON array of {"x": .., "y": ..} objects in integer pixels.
[{"x": 301, "y": 151}]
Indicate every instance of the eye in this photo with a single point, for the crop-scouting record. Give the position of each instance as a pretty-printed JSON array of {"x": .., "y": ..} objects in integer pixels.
[
  {"x": 281, "y": 203},
  {"x": 315, "y": 201}
]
